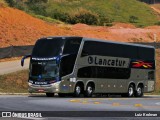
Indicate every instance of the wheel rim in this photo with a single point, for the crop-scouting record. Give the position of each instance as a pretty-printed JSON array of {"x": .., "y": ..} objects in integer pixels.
[
  {"x": 130, "y": 91},
  {"x": 139, "y": 90},
  {"x": 90, "y": 90},
  {"x": 78, "y": 90}
]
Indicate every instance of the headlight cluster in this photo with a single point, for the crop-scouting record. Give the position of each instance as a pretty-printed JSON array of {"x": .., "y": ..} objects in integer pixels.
[{"x": 30, "y": 82}]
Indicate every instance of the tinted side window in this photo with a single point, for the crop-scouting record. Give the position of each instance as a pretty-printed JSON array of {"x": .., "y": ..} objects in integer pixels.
[
  {"x": 109, "y": 49},
  {"x": 72, "y": 45},
  {"x": 129, "y": 51},
  {"x": 67, "y": 65},
  {"x": 146, "y": 53},
  {"x": 104, "y": 72},
  {"x": 85, "y": 72}
]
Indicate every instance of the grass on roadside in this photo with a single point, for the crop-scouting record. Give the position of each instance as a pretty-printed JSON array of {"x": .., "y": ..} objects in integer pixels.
[{"x": 14, "y": 82}]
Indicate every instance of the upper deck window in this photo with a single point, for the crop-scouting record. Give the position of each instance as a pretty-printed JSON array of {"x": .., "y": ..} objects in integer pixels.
[
  {"x": 117, "y": 50},
  {"x": 72, "y": 45},
  {"x": 45, "y": 48}
]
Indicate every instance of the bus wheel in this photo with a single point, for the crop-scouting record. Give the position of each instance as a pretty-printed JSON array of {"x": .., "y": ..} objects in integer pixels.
[
  {"x": 89, "y": 90},
  {"x": 50, "y": 94},
  {"x": 130, "y": 92},
  {"x": 139, "y": 91},
  {"x": 77, "y": 91}
]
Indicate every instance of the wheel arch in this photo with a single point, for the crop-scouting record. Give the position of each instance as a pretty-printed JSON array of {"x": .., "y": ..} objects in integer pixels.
[
  {"x": 90, "y": 82},
  {"x": 80, "y": 83},
  {"x": 140, "y": 84},
  {"x": 132, "y": 83}
]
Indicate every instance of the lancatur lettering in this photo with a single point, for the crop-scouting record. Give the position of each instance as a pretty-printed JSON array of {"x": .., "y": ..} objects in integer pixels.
[{"x": 106, "y": 62}]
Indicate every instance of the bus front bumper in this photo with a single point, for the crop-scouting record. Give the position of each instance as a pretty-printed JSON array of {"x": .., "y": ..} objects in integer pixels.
[{"x": 50, "y": 88}]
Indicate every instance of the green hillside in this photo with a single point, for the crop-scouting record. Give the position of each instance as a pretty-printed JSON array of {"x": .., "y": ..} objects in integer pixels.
[{"x": 94, "y": 12}]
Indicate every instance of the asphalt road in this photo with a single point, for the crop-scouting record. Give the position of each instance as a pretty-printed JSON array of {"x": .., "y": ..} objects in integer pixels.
[
  {"x": 12, "y": 66},
  {"x": 97, "y": 105}
]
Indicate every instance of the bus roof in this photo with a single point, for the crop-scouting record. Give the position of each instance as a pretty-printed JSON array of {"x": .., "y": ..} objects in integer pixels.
[{"x": 100, "y": 40}]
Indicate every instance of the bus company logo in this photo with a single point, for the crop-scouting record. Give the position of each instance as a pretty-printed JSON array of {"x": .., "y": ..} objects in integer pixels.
[
  {"x": 107, "y": 62},
  {"x": 139, "y": 64},
  {"x": 90, "y": 60}
]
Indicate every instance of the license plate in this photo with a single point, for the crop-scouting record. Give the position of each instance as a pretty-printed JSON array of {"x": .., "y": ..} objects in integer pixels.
[
  {"x": 41, "y": 83},
  {"x": 40, "y": 90}
]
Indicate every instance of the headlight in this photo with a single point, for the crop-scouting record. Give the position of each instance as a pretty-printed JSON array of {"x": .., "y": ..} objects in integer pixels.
[
  {"x": 30, "y": 82},
  {"x": 56, "y": 84}
]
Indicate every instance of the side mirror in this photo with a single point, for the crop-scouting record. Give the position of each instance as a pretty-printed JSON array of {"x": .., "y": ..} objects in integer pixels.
[{"x": 22, "y": 60}]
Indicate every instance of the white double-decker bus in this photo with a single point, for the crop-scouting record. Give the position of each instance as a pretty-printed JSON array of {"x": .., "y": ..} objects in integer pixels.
[{"x": 77, "y": 65}]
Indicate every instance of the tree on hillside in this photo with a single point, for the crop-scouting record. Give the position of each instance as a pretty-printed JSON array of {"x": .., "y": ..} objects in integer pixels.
[
  {"x": 11, "y": 2},
  {"x": 37, "y": 6},
  {"x": 133, "y": 19}
]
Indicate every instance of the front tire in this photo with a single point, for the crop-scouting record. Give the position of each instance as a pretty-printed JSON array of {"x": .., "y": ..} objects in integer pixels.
[
  {"x": 77, "y": 90},
  {"x": 50, "y": 94},
  {"x": 139, "y": 91},
  {"x": 130, "y": 92}
]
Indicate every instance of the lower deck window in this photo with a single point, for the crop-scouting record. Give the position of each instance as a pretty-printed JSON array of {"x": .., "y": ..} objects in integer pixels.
[{"x": 104, "y": 72}]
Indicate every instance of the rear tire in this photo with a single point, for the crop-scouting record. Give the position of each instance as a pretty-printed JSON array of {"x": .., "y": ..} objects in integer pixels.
[
  {"x": 50, "y": 94},
  {"x": 89, "y": 90},
  {"x": 139, "y": 92}
]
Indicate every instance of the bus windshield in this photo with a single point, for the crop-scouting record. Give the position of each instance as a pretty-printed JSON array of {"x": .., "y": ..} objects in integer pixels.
[
  {"x": 45, "y": 69},
  {"x": 45, "y": 48}
]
